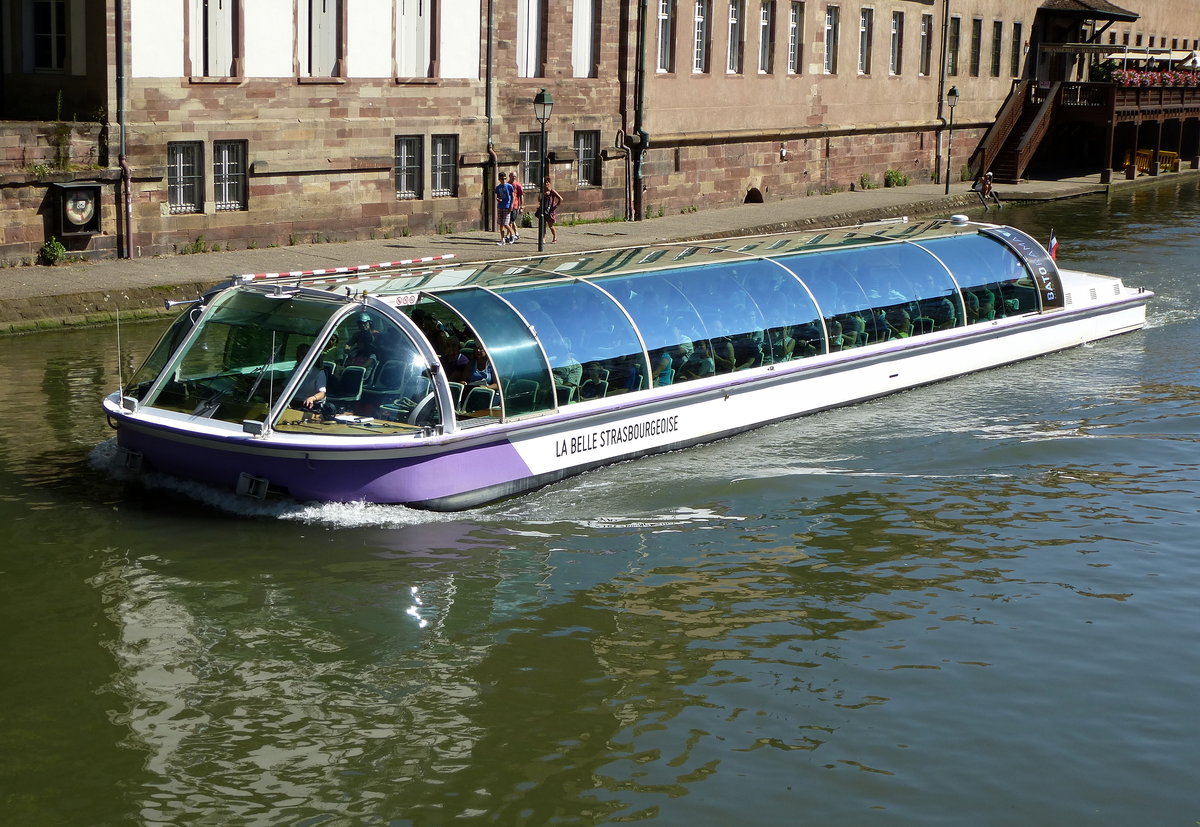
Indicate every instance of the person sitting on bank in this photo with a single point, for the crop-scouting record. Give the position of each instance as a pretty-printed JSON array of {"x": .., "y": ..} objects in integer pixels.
[
  {"x": 310, "y": 395},
  {"x": 983, "y": 188}
]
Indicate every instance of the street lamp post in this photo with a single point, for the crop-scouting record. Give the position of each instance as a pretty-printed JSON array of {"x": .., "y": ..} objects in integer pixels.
[
  {"x": 952, "y": 101},
  {"x": 542, "y": 104}
]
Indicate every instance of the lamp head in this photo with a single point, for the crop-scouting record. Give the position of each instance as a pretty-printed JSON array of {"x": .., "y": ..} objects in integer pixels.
[
  {"x": 952, "y": 97},
  {"x": 542, "y": 104}
]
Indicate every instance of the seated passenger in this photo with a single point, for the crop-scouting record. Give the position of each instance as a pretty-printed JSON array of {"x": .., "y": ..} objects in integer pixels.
[
  {"x": 854, "y": 330},
  {"x": 972, "y": 304},
  {"x": 683, "y": 348},
  {"x": 624, "y": 374},
  {"x": 363, "y": 343},
  {"x": 700, "y": 363},
  {"x": 568, "y": 373},
  {"x": 748, "y": 350},
  {"x": 877, "y": 327},
  {"x": 836, "y": 338},
  {"x": 723, "y": 354},
  {"x": 781, "y": 343},
  {"x": 987, "y": 305},
  {"x": 661, "y": 368},
  {"x": 310, "y": 394},
  {"x": 899, "y": 323},
  {"x": 480, "y": 373},
  {"x": 456, "y": 365},
  {"x": 940, "y": 312},
  {"x": 809, "y": 340}
]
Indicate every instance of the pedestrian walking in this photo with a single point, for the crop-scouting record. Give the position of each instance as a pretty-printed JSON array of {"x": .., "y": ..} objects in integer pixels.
[
  {"x": 518, "y": 207},
  {"x": 504, "y": 202},
  {"x": 551, "y": 200}
]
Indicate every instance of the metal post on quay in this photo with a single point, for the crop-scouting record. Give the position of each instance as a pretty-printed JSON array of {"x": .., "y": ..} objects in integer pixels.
[
  {"x": 952, "y": 101},
  {"x": 542, "y": 105}
]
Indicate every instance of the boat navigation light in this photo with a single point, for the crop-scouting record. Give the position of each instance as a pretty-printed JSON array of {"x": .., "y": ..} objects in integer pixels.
[{"x": 959, "y": 220}]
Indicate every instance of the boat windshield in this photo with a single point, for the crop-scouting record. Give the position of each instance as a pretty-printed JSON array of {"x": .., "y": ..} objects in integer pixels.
[
  {"x": 143, "y": 378},
  {"x": 256, "y": 352}
]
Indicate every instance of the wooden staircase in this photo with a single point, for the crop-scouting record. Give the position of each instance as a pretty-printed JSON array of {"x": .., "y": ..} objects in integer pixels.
[{"x": 1010, "y": 142}]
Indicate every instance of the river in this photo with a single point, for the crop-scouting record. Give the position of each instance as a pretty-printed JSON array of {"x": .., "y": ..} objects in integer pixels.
[{"x": 972, "y": 603}]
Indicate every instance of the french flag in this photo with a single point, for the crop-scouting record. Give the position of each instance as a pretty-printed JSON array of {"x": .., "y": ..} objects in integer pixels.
[{"x": 1053, "y": 246}]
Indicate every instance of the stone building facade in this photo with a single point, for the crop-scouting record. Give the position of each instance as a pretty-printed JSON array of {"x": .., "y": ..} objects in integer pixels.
[{"x": 237, "y": 123}]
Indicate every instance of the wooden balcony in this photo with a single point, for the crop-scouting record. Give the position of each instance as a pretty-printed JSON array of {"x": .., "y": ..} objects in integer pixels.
[{"x": 1123, "y": 104}]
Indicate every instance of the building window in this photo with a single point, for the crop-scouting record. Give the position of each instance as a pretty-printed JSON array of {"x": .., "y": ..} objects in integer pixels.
[
  {"x": 955, "y": 36},
  {"x": 530, "y": 172},
  {"x": 666, "y": 35},
  {"x": 926, "y": 56},
  {"x": 213, "y": 26},
  {"x": 897, "y": 64},
  {"x": 587, "y": 147},
  {"x": 323, "y": 38},
  {"x": 443, "y": 165},
  {"x": 733, "y": 64},
  {"x": 414, "y": 36},
  {"x": 585, "y": 36},
  {"x": 976, "y": 45},
  {"x": 700, "y": 37},
  {"x": 831, "y": 39},
  {"x": 229, "y": 175},
  {"x": 766, "y": 36},
  {"x": 408, "y": 167},
  {"x": 185, "y": 178},
  {"x": 49, "y": 35},
  {"x": 1017, "y": 48},
  {"x": 796, "y": 38},
  {"x": 866, "y": 33},
  {"x": 530, "y": 39},
  {"x": 997, "y": 45}
]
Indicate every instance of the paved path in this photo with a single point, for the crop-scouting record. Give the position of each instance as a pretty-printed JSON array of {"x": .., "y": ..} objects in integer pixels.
[{"x": 38, "y": 297}]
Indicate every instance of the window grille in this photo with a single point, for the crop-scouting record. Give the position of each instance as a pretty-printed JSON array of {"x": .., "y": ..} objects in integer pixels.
[
  {"x": 897, "y": 64},
  {"x": 443, "y": 163},
  {"x": 866, "y": 34},
  {"x": 796, "y": 38},
  {"x": 926, "y": 45},
  {"x": 666, "y": 35},
  {"x": 408, "y": 167},
  {"x": 587, "y": 147},
  {"x": 185, "y": 179},
  {"x": 766, "y": 36},
  {"x": 700, "y": 37},
  {"x": 229, "y": 175},
  {"x": 733, "y": 63},
  {"x": 832, "y": 24},
  {"x": 530, "y": 172}
]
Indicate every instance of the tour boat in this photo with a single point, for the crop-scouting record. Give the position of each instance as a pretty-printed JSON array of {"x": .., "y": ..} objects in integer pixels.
[{"x": 448, "y": 385}]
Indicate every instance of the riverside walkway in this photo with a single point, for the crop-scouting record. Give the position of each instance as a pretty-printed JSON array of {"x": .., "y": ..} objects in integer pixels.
[{"x": 40, "y": 297}]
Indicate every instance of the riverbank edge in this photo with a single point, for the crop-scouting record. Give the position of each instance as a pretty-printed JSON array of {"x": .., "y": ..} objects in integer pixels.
[{"x": 56, "y": 311}]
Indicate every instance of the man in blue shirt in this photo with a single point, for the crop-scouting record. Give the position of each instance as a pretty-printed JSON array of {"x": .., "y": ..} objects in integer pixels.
[{"x": 504, "y": 204}]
